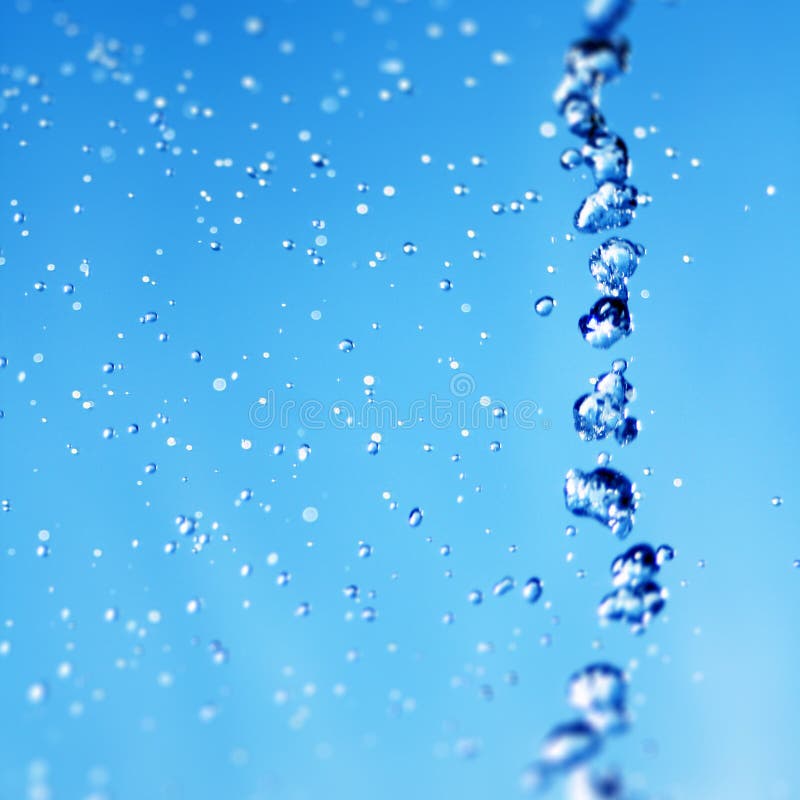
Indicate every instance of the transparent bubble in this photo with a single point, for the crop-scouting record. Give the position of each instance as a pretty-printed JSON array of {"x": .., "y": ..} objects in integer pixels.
[
  {"x": 613, "y": 263},
  {"x": 37, "y": 693},
  {"x": 599, "y": 692},
  {"x": 364, "y": 550},
  {"x": 415, "y": 517},
  {"x": 475, "y": 597},
  {"x": 604, "y": 495},
  {"x": 571, "y": 158},
  {"x": 607, "y": 322},
  {"x": 595, "y": 62},
  {"x": 544, "y": 306},
  {"x": 532, "y": 590},
  {"x": 607, "y": 156},
  {"x": 603, "y": 16},
  {"x": 567, "y": 745},
  {"x": 503, "y": 586},
  {"x": 609, "y": 206},
  {"x": 604, "y": 410}
]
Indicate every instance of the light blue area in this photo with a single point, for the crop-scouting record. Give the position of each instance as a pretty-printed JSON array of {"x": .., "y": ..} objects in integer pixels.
[{"x": 712, "y": 358}]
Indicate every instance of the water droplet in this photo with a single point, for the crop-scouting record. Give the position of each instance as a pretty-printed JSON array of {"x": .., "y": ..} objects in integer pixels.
[
  {"x": 604, "y": 410},
  {"x": 607, "y": 156},
  {"x": 415, "y": 517},
  {"x": 566, "y": 745},
  {"x": 571, "y": 158},
  {"x": 599, "y": 692},
  {"x": 346, "y": 345},
  {"x": 364, "y": 550},
  {"x": 283, "y": 578},
  {"x": 37, "y": 693},
  {"x": 609, "y": 206},
  {"x": 503, "y": 586},
  {"x": 544, "y": 306},
  {"x": 594, "y": 62},
  {"x": 603, "y": 16},
  {"x": 603, "y": 494},
  {"x": 532, "y": 590},
  {"x": 607, "y": 322},
  {"x": 613, "y": 263}
]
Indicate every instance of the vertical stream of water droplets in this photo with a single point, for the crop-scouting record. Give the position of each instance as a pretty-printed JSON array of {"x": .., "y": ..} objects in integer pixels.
[{"x": 598, "y": 692}]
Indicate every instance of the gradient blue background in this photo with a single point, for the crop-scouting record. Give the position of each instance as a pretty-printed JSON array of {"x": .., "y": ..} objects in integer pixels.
[{"x": 713, "y": 358}]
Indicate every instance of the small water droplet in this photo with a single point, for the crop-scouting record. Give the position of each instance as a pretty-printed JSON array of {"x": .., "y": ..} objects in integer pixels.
[{"x": 544, "y": 306}]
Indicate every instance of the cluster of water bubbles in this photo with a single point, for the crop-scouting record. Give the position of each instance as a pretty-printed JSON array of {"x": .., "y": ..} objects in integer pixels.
[
  {"x": 636, "y": 597},
  {"x": 598, "y": 692},
  {"x": 604, "y": 411},
  {"x": 605, "y": 495}
]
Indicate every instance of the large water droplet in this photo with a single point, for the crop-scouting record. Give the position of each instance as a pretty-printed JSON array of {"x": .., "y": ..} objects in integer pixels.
[
  {"x": 599, "y": 692},
  {"x": 613, "y": 263},
  {"x": 607, "y": 322},
  {"x": 607, "y": 156},
  {"x": 609, "y": 206},
  {"x": 603, "y": 494},
  {"x": 604, "y": 410}
]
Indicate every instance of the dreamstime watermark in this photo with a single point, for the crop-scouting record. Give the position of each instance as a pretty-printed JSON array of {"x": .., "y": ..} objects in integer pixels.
[{"x": 458, "y": 409}]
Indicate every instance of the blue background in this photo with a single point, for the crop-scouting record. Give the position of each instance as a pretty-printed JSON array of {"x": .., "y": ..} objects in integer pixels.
[{"x": 713, "y": 682}]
